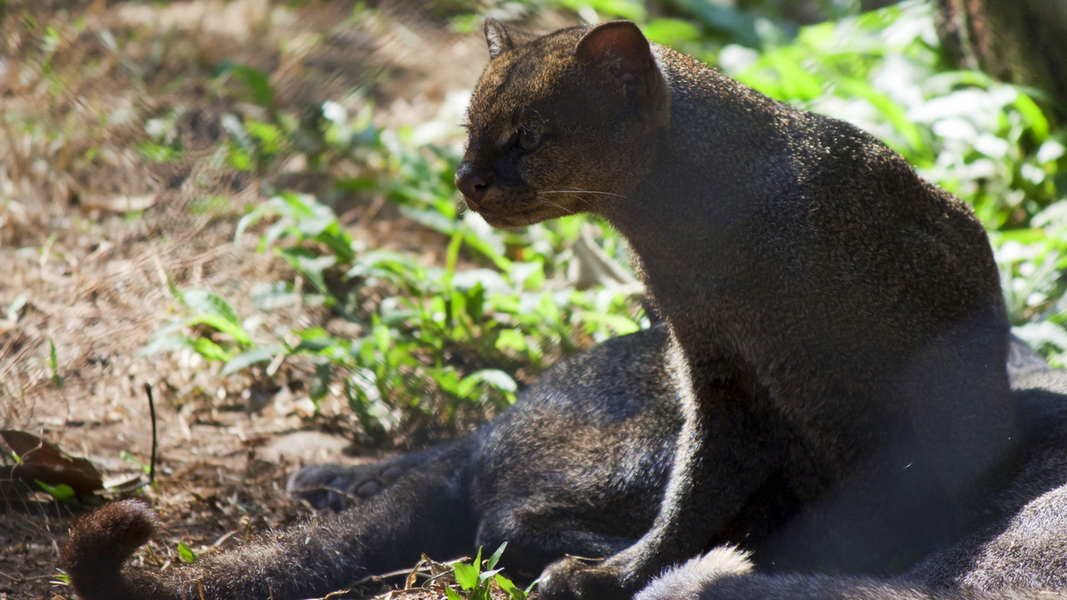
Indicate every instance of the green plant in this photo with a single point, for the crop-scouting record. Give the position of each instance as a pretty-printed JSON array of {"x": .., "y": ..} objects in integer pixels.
[
  {"x": 61, "y": 491},
  {"x": 989, "y": 143},
  {"x": 478, "y": 577},
  {"x": 455, "y": 335},
  {"x": 211, "y": 328},
  {"x": 185, "y": 553},
  {"x": 53, "y": 364},
  {"x": 459, "y": 333},
  {"x": 133, "y": 460},
  {"x": 61, "y": 578}
]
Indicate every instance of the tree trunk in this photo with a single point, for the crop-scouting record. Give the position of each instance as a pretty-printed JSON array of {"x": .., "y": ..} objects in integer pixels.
[{"x": 1022, "y": 42}]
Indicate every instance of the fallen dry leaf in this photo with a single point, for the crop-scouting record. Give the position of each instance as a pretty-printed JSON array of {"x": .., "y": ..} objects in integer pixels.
[{"x": 42, "y": 461}]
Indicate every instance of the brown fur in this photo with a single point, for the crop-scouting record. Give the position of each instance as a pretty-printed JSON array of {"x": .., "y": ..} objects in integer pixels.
[
  {"x": 1026, "y": 544},
  {"x": 726, "y": 573},
  {"x": 598, "y": 425},
  {"x": 838, "y": 330},
  {"x": 579, "y": 464}
]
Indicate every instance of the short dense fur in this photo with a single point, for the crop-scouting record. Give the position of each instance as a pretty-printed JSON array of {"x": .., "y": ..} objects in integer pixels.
[
  {"x": 578, "y": 467},
  {"x": 1020, "y": 553},
  {"x": 1026, "y": 543},
  {"x": 533, "y": 472},
  {"x": 727, "y": 573},
  {"x": 838, "y": 332}
]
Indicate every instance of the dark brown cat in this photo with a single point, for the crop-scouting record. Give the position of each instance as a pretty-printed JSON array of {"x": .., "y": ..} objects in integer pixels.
[
  {"x": 578, "y": 464},
  {"x": 600, "y": 424},
  {"x": 838, "y": 332}
]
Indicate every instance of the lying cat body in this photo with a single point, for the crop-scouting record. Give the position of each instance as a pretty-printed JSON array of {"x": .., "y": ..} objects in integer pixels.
[
  {"x": 579, "y": 466},
  {"x": 1020, "y": 552},
  {"x": 838, "y": 334},
  {"x": 576, "y": 466},
  {"x": 527, "y": 478}
]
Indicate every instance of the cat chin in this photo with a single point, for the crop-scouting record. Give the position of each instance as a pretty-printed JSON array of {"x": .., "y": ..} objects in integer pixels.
[
  {"x": 518, "y": 218},
  {"x": 508, "y": 222}
]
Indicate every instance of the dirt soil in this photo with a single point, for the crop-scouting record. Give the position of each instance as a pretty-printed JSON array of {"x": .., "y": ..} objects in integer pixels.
[{"x": 91, "y": 231}]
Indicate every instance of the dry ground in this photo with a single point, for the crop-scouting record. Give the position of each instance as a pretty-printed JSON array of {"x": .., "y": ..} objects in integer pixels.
[{"x": 90, "y": 231}]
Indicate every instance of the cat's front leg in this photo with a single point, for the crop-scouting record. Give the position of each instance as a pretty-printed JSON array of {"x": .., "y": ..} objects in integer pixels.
[{"x": 717, "y": 468}]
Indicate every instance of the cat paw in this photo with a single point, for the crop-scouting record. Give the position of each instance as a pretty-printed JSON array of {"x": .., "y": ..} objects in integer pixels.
[
  {"x": 337, "y": 487},
  {"x": 572, "y": 579}
]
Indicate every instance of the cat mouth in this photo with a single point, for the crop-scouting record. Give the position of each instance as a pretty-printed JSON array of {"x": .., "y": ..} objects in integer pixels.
[{"x": 508, "y": 218}]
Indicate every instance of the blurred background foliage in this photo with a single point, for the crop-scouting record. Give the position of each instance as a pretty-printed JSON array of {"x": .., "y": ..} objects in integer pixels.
[{"x": 451, "y": 337}]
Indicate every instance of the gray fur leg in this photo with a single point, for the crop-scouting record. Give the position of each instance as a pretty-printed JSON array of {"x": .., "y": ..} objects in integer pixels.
[
  {"x": 337, "y": 486},
  {"x": 725, "y": 574}
]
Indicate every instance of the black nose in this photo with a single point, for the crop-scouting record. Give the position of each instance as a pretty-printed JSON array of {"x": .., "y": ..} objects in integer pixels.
[{"x": 473, "y": 184}]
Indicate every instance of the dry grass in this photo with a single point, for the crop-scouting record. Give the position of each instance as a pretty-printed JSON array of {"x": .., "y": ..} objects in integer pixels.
[{"x": 91, "y": 230}]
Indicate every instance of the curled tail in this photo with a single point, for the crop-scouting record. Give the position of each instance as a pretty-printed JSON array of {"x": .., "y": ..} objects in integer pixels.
[
  {"x": 428, "y": 510},
  {"x": 100, "y": 543}
]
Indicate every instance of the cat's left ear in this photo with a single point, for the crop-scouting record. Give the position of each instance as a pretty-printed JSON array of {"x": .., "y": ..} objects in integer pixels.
[
  {"x": 619, "y": 45},
  {"x": 620, "y": 48},
  {"x": 497, "y": 37}
]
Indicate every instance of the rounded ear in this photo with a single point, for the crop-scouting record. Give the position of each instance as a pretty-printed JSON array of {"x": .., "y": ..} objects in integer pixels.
[
  {"x": 498, "y": 37},
  {"x": 617, "y": 44},
  {"x": 620, "y": 48}
]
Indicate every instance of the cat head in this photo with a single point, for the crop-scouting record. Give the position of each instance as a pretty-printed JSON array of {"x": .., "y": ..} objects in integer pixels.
[{"x": 561, "y": 124}]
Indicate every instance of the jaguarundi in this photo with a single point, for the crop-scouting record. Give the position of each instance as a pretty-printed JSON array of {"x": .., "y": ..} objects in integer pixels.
[
  {"x": 838, "y": 332},
  {"x": 601, "y": 424},
  {"x": 834, "y": 360}
]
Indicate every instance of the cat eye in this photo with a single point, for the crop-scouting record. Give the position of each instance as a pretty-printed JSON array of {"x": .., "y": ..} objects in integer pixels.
[{"x": 527, "y": 138}]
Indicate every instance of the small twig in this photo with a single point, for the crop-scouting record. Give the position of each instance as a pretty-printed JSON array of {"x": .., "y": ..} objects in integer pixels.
[
  {"x": 379, "y": 576},
  {"x": 336, "y": 594},
  {"x": 23, "y": 578},
  {"x": 152, "y": 413}
]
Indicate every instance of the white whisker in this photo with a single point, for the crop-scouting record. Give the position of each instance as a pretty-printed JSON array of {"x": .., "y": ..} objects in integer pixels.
[
  {"x": 580, "y": 191},
  {"x": 559, "y": 206}
]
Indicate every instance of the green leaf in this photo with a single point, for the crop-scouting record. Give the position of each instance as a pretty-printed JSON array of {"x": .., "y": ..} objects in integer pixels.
[
  {"x": 209, "y": 349},
  {"x": 320, "y": 384},
  {"x": 620, "y": 323},
  {"x": 252, "y": 357},
  {"x": 257, "y": 81},
  {"x": 61, "y": 491},
  {"x": 126, "y": 456},
  {"x": 739, "y": 25},
  {"x": 466, "y": 576},
  {"x": 491, "y": 563},
  {"x": 893, "y": 112},
  {"x": 167, "y": 339},
  {"x": 201, "y": 301},
  {"x": 452, "y": 594},
  {"x": 270, "y": 136},
  {"x": 274, "y": 295},
  {"x": 53, "y": 363},
  {"x": 221, "y": 325},
  {"x": 672, "y": 32},
  {"x": 493, "y": 377},
  {"x": 511, "y": 339},
  {"x": 1033, "y": 113},
  {"x": 186, "y": 553},
  {"x": 16, "y": 305},
  {"x": 485, "y": 576},
  {"x": 626, "y": 9},
  {"x": 509, "y": 587},
  {"x": 310, "y": 265},
  {"x": 158, "y": 153}
]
